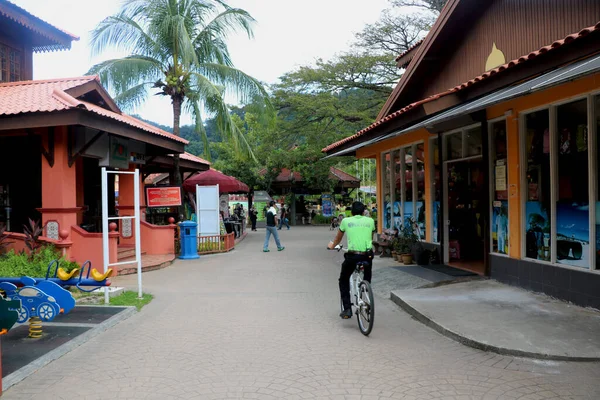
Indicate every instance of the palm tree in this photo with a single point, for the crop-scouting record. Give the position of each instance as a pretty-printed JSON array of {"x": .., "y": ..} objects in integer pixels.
[{"x": 177, "y": 47}]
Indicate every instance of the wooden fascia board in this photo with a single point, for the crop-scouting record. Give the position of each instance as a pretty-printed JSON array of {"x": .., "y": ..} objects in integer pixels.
[
  {"x": 91, "y": 86},
  {"x": 90, "y": 120},
  {"x": 411, "y": 117},
  {"x": 418, "y": 57},
  {"x": 443, "y": 103}
]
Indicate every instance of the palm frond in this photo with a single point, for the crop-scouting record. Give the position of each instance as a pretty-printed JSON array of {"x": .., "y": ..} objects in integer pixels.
[
  {"x": 120, "y": 75},
  {"x": 123, "y": 32},
  {"x": 244, "y": 86},
  {"x": 232, "y": 20},
  {"x": 133, "y": 97},
  {"x": 213, "y": 102}
]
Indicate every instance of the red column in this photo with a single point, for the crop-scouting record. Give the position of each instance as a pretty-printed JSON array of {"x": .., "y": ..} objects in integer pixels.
[{"x": 59, "y": 186}]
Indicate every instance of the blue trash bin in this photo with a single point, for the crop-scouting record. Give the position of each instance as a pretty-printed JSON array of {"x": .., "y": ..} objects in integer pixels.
[{"x": 189, "y": 240}]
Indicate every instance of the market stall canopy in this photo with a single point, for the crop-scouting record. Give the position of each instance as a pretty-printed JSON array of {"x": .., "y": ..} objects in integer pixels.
[{"x": 227, "y": 184}]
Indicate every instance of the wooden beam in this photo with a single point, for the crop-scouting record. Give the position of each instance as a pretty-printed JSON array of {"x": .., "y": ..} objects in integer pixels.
[
  {"x": 90, "y": 120},
  {"x": 79, "y": 153},
  {"x": 48, "y": 154}
]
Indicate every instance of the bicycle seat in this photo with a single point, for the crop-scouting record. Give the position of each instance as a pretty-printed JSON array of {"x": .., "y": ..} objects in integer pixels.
[{"x": 360, "y": 266}]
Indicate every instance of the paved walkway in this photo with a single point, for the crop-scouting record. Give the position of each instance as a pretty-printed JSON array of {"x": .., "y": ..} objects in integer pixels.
[
  {"x": 259, "y": 325},
  {"x": 487, "y": 314}
]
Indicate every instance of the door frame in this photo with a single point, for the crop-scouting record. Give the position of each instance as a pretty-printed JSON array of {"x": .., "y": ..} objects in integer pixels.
[{"x": 446, "y": 217}]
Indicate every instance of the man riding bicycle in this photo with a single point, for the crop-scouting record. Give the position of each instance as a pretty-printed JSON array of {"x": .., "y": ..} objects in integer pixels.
[{"x": 360, "y": 248}]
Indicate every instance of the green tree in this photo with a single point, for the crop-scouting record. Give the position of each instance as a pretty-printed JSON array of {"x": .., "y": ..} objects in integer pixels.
[
  {"x": 435, "y": 6},
  {"x": 178, "y": 48}
]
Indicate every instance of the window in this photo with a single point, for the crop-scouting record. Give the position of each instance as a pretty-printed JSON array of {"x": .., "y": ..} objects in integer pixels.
[
  {"x": 408, "y": 207},
  {"x": 387, "y": 217},
  {"x": 454, "y": 146},
  {"x": 498, "y": 166},
  {"x": 557, "y": 210},
  {"x": 404, "y": 187},
  {"x": 420, "y": 177},
  {"x": 398, "y": 188},
  {"x": 10, "y": 64},
  {"x": 436, "y": 197},
  {"x": 572, "y": 202},
  {"x": 537, "y": 207},
  {"x": 472, "y": 139}
]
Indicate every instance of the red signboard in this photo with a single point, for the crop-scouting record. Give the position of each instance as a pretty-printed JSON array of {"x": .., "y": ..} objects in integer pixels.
[{"x": 163, "y": 196}]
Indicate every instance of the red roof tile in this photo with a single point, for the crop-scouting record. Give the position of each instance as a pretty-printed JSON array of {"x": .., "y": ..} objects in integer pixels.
[
  {"x": 486, "y": 75},
  {"x": 343, "y": 176},
  {"x": 23, "y": 17},
  {"x": 190, "y": 157},
  {"x": 410, "y": 50},
  {"x": 50, "y": 96}
]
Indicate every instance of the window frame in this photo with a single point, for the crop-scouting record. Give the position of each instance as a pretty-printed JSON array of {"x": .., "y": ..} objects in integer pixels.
[
  {"x": 593, "y": 195},
  {"x": 491, "y": 173},
  {"x": 8, "y": 49},
  {"x": 392, "y": 183}
]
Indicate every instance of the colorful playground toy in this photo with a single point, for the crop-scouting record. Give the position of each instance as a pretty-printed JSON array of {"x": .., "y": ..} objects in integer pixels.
[
  {"x": 34, "y": 302},
  {"x": 42, "y": 299},
  {"x": 9, "y": 314}
]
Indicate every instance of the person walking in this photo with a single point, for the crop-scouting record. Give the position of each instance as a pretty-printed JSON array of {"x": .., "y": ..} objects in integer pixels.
[
  {"x": 253, "y": 217},
  {"x": 283, "y": 219},
  {"x": 272, "y": 228}
]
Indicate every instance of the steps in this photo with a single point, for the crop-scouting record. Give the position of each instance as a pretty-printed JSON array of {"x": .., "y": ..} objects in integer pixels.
[{"x": 150, "y": 262}]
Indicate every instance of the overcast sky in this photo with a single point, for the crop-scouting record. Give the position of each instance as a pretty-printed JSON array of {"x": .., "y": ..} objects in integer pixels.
[{"x": 288, "y": 33}]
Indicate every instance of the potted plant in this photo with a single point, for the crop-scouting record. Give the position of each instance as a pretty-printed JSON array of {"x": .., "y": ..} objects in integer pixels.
[
  {"x": 406, "y": 241},
  {"x": 422, "y": 254}
]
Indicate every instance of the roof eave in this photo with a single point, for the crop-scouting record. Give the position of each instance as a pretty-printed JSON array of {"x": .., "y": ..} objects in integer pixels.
[{"x": 54, "y": 38}]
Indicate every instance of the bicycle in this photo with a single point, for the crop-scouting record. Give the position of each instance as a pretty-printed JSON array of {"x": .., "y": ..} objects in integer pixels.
[{"x": 361, "y": 298}]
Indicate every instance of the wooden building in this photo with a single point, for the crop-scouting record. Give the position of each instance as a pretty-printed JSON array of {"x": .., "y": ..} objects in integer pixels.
[
  {"x": 490, "y": 141},
  {"x": 56, "y": 134}
]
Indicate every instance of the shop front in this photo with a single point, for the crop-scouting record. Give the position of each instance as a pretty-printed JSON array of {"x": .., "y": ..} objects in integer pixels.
[{"x": 499, "y": 173}]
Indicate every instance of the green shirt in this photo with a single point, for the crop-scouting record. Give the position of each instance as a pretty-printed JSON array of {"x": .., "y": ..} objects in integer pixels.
[{"x": 360, "y": 232}]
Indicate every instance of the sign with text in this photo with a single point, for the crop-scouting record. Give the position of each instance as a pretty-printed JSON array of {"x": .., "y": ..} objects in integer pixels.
[{"x": 163, "y": 196}]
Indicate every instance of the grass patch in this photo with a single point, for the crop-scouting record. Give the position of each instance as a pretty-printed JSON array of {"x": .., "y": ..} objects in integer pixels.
[{"x": 129, "y": 298}]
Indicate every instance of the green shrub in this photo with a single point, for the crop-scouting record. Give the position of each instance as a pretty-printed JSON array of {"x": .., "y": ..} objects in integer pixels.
[
  {"x": 209, "y": 245},
  {"x": 21, "y": 264},
  {"x": 319, "y": 219}
]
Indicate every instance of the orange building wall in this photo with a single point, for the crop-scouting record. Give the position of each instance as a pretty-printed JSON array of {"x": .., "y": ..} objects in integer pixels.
[{"x": 514, "y": 108}]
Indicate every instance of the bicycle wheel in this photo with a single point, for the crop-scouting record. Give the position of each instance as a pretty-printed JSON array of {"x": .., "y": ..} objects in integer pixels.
[{"x": 365, "y": 310}]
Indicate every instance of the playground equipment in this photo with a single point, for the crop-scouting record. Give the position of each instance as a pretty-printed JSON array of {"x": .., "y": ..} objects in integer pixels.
[
  {"x": 9, "y": 314},
  {"x": 63, "y": 278},
  {"x": 42, "y": 299}
]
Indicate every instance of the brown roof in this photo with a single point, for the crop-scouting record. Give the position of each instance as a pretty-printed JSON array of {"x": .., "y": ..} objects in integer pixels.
[
  {"x": 190, "y": 157},
  {"x": 343, "y": 176},
  {"x": 51, "y": 96},
  {"x": 464, "y": 85},
  {"x": 404, "y": 58},
  {"x": 55, "y": 38},
  {"x": 334, "y": 173}
]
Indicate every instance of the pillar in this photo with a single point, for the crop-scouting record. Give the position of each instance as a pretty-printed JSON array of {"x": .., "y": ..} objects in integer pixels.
[
  {"x": 514, "y": 187},
  {"x": 378, "y": 170},
  {"x": 126, "y": 207},
  {"x": 59, "y": 185}
]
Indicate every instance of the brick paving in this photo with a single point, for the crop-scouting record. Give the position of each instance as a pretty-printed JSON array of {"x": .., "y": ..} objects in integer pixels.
[{"x": 253, "y": 325}]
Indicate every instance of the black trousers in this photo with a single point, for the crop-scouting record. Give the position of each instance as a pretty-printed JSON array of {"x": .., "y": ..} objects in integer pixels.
[
  {"x": 253, "y": 223},
  {"x": 348, "y": 267}
]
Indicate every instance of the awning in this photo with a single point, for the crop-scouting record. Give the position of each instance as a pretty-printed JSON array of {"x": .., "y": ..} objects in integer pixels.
[
  {"x": 558, "y": 76},
  {"x": 227, "y": 184}
]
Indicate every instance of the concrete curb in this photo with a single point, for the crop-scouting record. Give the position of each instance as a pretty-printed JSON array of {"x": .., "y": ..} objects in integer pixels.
[
  {"x": 60, "y": 351},
  {"x": 479, "y": 345}
]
